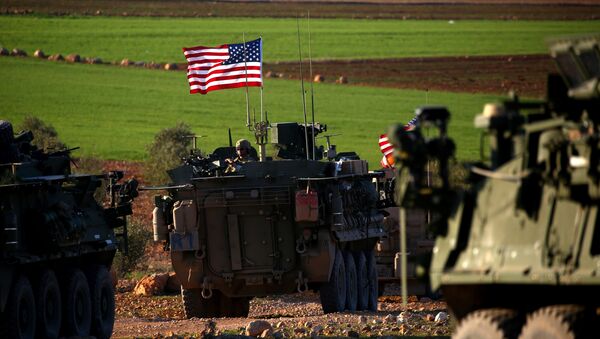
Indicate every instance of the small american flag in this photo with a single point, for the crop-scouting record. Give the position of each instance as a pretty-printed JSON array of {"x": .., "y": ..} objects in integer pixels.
[
  {"x": 225, "y": 66},
  {"x": 388, "y": 149}
]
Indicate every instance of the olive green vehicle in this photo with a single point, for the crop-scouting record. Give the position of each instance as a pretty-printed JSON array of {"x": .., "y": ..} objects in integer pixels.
[
  {"x": 273, "y": 226},
  {"x": 57, "y": 243},
  {"x": 518, "y": 251}
]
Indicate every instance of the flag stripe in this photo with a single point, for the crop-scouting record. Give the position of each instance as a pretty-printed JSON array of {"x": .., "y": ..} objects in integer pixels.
[{"x": 224, "y": 86}]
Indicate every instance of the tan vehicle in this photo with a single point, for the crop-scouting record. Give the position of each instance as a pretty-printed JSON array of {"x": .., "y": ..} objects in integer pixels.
[{"x": 273, "y": 226}]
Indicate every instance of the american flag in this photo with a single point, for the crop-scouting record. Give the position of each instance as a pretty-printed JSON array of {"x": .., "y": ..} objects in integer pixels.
[
  {"x": 388, "y": 149},
  {"x": 225, "y": 66}
]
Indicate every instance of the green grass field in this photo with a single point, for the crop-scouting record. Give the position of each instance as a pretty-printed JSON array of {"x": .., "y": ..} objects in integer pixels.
[
  {"x": 161, "y": 39},
  {"x": 113, "y": 112}
]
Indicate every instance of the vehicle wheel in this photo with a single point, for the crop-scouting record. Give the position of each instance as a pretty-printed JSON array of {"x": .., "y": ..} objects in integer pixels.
[
  {"x": 238, "y": 307},
  {"x": 557, "y": 321},
  {"x": 333, "y": 293},
  {"x": 103, "y": 303},
  {"x": 351, "y": 282},
  {"x": 493, "y": 323},
  {"x": 194, "y": 305},
  {"x": 19, "y": 315},
  {"x": 373, "y": 286},
  {"x": 48, "y": 302},
  {"x": 362, "y": 281},
  {"x": 77, "y": 305}
]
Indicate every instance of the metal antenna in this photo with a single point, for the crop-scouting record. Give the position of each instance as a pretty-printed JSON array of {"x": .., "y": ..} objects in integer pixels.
[
  {"x": 246, "y": 71},
  {"x": 230, "y": 140},
  {"x": 312, "y": 93},
  {"x": 302, "y": 84}
]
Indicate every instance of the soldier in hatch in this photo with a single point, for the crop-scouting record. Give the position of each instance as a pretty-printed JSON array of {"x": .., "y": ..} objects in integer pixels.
[{"x": 243, "y": 150}]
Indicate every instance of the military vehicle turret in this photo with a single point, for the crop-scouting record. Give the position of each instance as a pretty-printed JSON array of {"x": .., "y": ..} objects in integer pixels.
[
  {"x": 274, "y": 226},
  {"x": 518, "y": 252},
  {"x": 57, "y": 242}
]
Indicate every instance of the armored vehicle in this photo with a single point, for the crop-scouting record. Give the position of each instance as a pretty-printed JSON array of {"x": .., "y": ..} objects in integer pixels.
[
  {"x": 518, "y": 251},
  {"x": 275, "y": 226},
  {"x": 57, "y": 242},
  {"x": 419, "y": 241}
]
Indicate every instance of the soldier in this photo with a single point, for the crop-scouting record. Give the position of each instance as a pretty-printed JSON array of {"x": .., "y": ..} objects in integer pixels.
[{"x": 242, "y": 149}]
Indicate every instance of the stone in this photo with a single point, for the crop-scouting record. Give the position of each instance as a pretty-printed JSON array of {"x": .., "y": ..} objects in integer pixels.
[
  {"x": 362, "y": 319},
  {"x": 170, "y": 67},
  {"x": 173, "y": 284},
  {"x": 18, "y": 52},
  {"x": 257, "y": 327},
  {"x": 316, "y": 331},
  {"x": 93, "y": 60},
  {"x": 4, "y": 51},
  {"x": 73, "y": 58},
  {"x": 441, "y": 317},
  {"x": 318, "y": 78},
  {"x": 351, "y": 334},
  {"x": 139, "y": 64},
  {"x": 270, "y": 74},
  {"x": 389, "y": 319},
  {"x": 268, "y": 333},
  {"x": 153, "y": 284},
  {"x": 126, "y": 62},
  {"x": 425, "y": 300},
  {"x": 429, "y": 317},
  {"x": 39, "y": 54},
  {"x": 342, "y": 80},
  {"x": 299, "y": 331},
  {"x": 56, "y": 57}
]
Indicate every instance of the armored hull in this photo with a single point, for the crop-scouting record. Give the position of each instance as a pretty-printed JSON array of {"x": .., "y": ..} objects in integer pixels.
[{"x": 273, "y": 227}]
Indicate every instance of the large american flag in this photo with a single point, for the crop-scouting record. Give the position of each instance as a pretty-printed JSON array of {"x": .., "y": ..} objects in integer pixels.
[{"x": 225, "y": 66}]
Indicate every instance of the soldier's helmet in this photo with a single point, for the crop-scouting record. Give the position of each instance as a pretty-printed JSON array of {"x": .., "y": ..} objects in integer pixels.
[{"x": 243, "y": 144}]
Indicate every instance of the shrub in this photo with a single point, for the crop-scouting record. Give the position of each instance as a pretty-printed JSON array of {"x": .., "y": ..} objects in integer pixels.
[
  {"x": 45, "y": 136},
  {"x": 170, "y": 145},
  {"x": 138, "y": 238}
]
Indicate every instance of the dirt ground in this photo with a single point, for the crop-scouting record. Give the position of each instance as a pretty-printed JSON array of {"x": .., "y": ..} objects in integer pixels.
[
  {"x": 375, "y": 9},
  {"x": 523, "y": 74},
  {"x": 294, "y": 315}
]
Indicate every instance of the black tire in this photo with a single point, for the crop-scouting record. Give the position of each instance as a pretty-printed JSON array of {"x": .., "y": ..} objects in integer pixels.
[
  {"x": 49, "y": 304},
  {"x": 362, "y": 281},
  {"x": 493, "y": 323},
  {"x": 559, "y": 321},
  {"x": 103, "y": 303},
  {"x": 333, "y": 293},
  {"x": 195, "y": 306},
  {"x": 236, "y": 307},
  {"x": 77, "y": 305},
  {"x": 372, "y": 279},
  {"x": 19, "y": 316},
  {"x": 351, "y": 282}
]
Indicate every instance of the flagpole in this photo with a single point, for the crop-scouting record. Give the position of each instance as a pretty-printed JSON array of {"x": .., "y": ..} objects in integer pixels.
[
  {"x": 303, "y": 92},
  {"x": 262, "y": 81},
  {"x": 312, "y": 93},
  {"x": 246, "y": 71}
]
